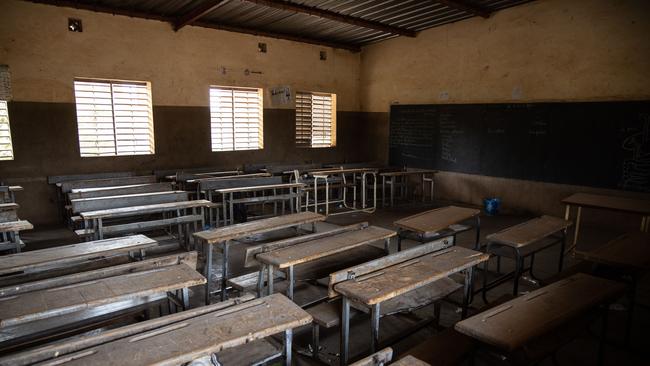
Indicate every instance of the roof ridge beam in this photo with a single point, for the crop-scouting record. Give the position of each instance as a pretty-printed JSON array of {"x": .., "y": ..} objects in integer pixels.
[
  {"x": 197, "y": 13},
  {"x": 467, "y": 7}
]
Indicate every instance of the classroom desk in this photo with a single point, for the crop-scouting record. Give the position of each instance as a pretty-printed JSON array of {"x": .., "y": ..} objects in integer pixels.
[
  {"x": 229, "y": 201},
  {"x": 391, "y": 179},
  {"x": 10, "y": 234},
  {"x": 436, "y": 223},
  {"x": 177, "y": 339},
  {"x": 524, "y": 240},
  {"x": 286, "y": 256},
  {"x": 629, "y": 253},
  {"x": 612, "y": 203},
  {"x": 9, "y": 193},
  {"x": 44, "y": 258},
  {"x": 326, "y": 175},
  {"x": 223, "y": 236},
  {"x": 378, "y": 281},
  {"x": 517, "y": 322}
]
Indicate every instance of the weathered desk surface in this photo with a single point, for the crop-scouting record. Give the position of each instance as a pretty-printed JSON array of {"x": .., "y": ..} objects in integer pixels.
[
  {"x": 245, "y": 229},
  {"x": 200, "y": 179},
  {"x": 630, "y": 250},
  {"x": 326, "y": 172},
  {"x": 382, "y": 357},
  {"x": 74, "y": 252},
  {"x": 14, "y": 226},
  {"x": 323, "y": 247},
  {"x": 144, "y": 209},
  {"x": 521, "y": 320},
  {"x": 192, "y": 338},
  {"x": 398, "y": 279},
  {"x": 9, "y": 206},
  {"x": 259, "y": 188},
  {"x": 408, "y": 172},
  {"x": 529, "y": 232},
  {"x": 609, "y": 202},
  {"x": 41, "y": 304},
  {"x": 409, "y": 361},
  {"x": 436, "y": 220}
]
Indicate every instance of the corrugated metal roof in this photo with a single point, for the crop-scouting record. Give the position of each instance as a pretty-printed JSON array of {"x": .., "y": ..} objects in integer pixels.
[{"x": 413, "y": 15}]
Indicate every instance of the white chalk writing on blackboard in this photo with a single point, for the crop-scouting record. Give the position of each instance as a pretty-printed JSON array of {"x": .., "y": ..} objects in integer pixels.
[
  {"x": 448, "y": 131},
  {"x": 636, "y": 168}
]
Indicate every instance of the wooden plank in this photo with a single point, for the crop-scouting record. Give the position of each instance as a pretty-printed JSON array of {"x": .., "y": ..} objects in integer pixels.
[
  {"x": 530, "y": 231},
  {"x": 9, "y": 207},
  {"x": 398, "y": 279},
  {"x": 67, "y": 187},
  {"x": 437, "y": 219},
  {"x": 31, "y": 306},
  {"x": 387, "y": 261},
  {"x": 141, "y": 199},
  {"x": 58, "y": 349},
  {"x": 152, "y": 224},
  {"x": 527, "y": 317},
  {"x": 327, "y": 172},
  {"x": 251, "y": 252},
  {"x": 214, "y": 184},
  {"x": 147, "y": 209},
  {"x": 57, "y": 179},
  {"x": 74, "y": 252},
  {"x": 197, "y": 177},
  {"x": 255, "y": 353},
  {"x": 201, "y": 335},
  {"x": 630, "y": 250},
  {"x": 380, "y": 358},
  {"x": 260, "y": 187},
  {"x": 609, "y": 202},
  {"x": 186, "y": 258},
  {"x": 15, "y": 226},
  {"x": 408, "y": 172},
  {"x": 120, "y": 191},
  {"x": 323, "y": 247},
  {"x": 409, "y": 361},
  {"x": 239, "y": 231}
]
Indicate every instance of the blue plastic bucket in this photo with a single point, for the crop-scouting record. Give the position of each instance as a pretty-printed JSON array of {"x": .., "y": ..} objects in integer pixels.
[{"x": 492, "y": 205}]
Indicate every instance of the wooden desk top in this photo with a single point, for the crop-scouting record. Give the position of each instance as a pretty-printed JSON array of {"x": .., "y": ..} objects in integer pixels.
[
  {"x": 186, "y": 340},
  {"x": 245, "y": 229},
  {"x": 144, "y": 209},
  {"x": 436, "y": 220},
  {"x": 527, "y": 317},
  {"x": 42, "y": 304},
  {"x": 609, "y": 202},
  {"x": 9, "y": 206},
  {"x": 529, "y": 232},
  {"x": 199, "y": 179},
  {"x": 15, "y": 226},
  {"x": 631, "y": 250},
  {"x": 74, "y": 252},
  {"x": 382, "y": 357},
  {"x": 408, "y": 172},
  {"x": 319, "y": 248},
  {"x": 325, "y": 172},
  {"x": 409, "y": 361},
  {"x": 260, "y": 188},
  {"x": 389, "y": 282}
]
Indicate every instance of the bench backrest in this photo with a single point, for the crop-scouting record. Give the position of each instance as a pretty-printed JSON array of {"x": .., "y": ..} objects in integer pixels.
[
  {"x": 281, "y": 168},
  {"x": 213, "y": 184},
  {"x": 54, "y": 179},
  {"x": 67, "y": 187},
  {"x": 104, "y": 203},
  {"x": 120, "y": 191}
]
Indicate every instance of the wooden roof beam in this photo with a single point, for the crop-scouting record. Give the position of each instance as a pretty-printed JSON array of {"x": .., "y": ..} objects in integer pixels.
[
  {"x": 310, "y": 10},
  {"x": 465, "y": 6},
  {"x": 197, "y": 13}
]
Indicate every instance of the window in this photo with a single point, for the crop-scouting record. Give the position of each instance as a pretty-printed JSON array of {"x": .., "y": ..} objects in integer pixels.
[
  {"x": 236, "y": 118},
  {"x": 6, "y": 150},
  {"x": 315, "y": 119},
  {"x": 114, "y": 117}
]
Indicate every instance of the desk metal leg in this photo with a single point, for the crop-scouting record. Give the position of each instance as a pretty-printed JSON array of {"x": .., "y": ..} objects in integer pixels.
[
  {"x": 269, "y": 269},
  {"x": 468, "y": 290},
  {"x": 575, "y": 234},
  {"x": 392, "y": 191},
  {"x": 224, "y": 273},
  {"x": 288, "y": 339},
  {"x": 315, "y": 340},
  {"x": 345, "y": 330},
  {"x": 291, "y": 284},
  {"x": 208, "y": 271},
  {"x": 383, "y": 191},
  {"x": 644, "y": 223},
  {"x": 185, "y": 295},
  {"x": 231, "y": 205},
  {"x": 374, "y": 326},
  {"x": 563, "y": 245},
  {"x": 399, "y": 240},
  {"x": 260, "y": 281},
  {"x": 477, "y": 246},
  {"x": 387, "y": 245},
  {"x": 224, "y": 208}
]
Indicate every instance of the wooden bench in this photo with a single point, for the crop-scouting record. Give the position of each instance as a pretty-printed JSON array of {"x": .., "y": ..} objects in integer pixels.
[
  {"x": 222, "y": 237},
  {"x": 381, "y": 358},
  {"x": 40, "y": 309},
  {"x": 8, "y": 193},
  {"x": 373, "y": 283},
  {"x": 68, "y": 186},
  {"x": 522, "y": 241},
  {"x": 187, "y": 213},
  {"x": 10, "y": 234},
  {"x": 8, "y": 212},
  {"x": 178, "y": 338},
  {"x": 293, "y": 194},
  {"x": 340, "y": 176},
  {"x": 129, "y": 200},
  {"x": 120, "y": 190},
  {"x": 399, "y": 179}
]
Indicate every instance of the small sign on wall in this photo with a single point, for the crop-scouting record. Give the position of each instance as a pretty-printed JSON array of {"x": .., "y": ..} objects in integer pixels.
[
  {"x": 5, "y": 83},
  {"x": 281, "y": 95}
]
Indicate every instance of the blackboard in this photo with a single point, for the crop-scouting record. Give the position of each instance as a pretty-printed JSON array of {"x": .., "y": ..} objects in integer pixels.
[{"x": 598, "y": 144}]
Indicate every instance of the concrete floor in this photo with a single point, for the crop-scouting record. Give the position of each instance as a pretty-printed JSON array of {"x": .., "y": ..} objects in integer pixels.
[{"x": 581, "y": 351}]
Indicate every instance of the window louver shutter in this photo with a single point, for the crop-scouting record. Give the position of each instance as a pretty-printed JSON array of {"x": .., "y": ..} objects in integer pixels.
[
  {"x": 314, "y": 116},
  {"x": 114, "y": 118},
  {"x": 236, "y": 119},
  {"x": 6, "y": 149}
]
